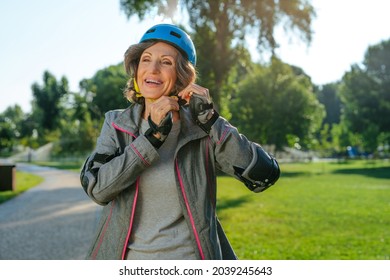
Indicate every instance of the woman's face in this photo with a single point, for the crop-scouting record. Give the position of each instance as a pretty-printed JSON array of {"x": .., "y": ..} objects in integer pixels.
[{"x": 156, "y": 75}]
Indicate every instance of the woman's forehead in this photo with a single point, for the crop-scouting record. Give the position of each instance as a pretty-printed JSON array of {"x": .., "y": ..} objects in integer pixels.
[{"x": 162, "y": 48}]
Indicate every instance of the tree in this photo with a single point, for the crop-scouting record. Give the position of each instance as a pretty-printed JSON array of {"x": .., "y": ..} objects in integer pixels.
[
  {"x": 328, "y": 96},
  {"x": 274, "y": 106},
  {"x": 77, "y": 136},
  {"x": 13, "y": 127},
  {"x": 105, "y": 89},
  {"x": 377, "y": 63},
  {"x": 15, "y": 115},
  {"x": 6, "y": 135},
  {"x": 79, "y": 130},
  {"x": 222, "y": 26},
  {"x": 366, "y": 97},
  {"x": 47, "y": 100}
]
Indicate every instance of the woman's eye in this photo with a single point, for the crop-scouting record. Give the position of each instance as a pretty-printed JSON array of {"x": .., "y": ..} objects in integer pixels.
[{"x": 167, "y": 62}]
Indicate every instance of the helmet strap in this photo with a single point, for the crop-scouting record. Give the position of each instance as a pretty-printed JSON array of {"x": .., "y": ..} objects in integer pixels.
[{"x": 136, "y": 88}]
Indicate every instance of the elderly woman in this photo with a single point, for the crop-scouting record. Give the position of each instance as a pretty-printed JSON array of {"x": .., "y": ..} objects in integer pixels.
[{"x": 154, "y": 166}]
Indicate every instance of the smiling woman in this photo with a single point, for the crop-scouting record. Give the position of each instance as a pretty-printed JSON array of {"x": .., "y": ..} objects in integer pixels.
[{"x": 154, "y": 166}]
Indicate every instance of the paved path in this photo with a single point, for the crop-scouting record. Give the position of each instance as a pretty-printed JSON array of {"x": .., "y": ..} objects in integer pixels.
[{"x": 53, "y": 221}]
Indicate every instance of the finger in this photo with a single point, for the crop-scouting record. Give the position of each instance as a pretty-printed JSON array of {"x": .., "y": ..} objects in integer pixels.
[
  {"x": 194, "y": 88},
  {"x": 201, "y": 90},
  {"x": 171, "y": 103},
  {"x": 161, "y": 107},
  {"x": 187, "y": 93}
]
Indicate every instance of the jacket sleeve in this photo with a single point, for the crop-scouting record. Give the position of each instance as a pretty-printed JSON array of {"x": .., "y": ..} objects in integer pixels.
[
  {"x": 109, "y": 170},
  {"x": 242, "y": 158}
]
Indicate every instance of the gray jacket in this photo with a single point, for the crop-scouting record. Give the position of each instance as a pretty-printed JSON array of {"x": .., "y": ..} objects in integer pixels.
[{"x": 112, "y": 179}]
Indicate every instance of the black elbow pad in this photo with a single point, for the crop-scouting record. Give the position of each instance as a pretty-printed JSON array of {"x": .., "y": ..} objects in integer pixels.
[
  {"x": 262, "y": 172},
  {"x": 88, "y": 174}
]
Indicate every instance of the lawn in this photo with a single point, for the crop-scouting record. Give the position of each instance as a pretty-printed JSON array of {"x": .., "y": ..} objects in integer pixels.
[
  {"x": 23, "y": 181},
  {"x": 320, "y": 211}
]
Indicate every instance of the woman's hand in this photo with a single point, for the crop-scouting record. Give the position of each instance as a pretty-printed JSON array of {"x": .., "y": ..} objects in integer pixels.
[
  {"x": 160, "y": 108},
  {"x": 200, "y": 104},
  {"x": 194, "y": 88}
]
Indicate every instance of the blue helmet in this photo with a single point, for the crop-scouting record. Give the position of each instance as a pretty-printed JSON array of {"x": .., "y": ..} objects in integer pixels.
[{"x": 173, "y": 35}]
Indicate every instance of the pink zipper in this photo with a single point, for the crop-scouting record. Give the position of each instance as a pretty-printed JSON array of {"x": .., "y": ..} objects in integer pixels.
[
  {"x": 131, "y": 219},
  {"x": 123, "y": 130},
  {"x": 135, "y": 201},
  {"x": 189, "y": 211},
  {"x": 136, "y": 191},
  {"x": 223, "y": 135}
]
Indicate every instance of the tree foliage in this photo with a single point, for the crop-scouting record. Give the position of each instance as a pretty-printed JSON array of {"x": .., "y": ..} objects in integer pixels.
[
  {"x": 57, "y": 116},
  {"x": 47, "y": 100},
  {"x": 77, "y": 136},
  {"x": 17, "y": 128},
  {"x": 105, "y": 89},
  {"x": 274, "y": 106},
  {"x": 220, "y": 26},
  {"x": 328, "y": 96},
  {"x": 11, "y": 122},
  {"x": 365, "y": 93}
]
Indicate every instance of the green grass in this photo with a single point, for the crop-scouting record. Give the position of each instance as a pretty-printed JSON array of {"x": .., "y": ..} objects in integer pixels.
[
  {"x": 320, "y": 211},
  {"x": 24, "y": 181}
]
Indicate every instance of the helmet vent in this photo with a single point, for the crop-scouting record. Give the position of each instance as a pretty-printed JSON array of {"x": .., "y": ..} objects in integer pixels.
[{"x": 175, "y": 34}]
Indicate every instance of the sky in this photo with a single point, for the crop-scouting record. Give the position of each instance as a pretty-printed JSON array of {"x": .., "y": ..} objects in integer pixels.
[{"x": 76, "y": 38}]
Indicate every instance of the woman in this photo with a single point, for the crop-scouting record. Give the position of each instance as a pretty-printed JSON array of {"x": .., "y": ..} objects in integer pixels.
[{"x": 154, "y": 166}]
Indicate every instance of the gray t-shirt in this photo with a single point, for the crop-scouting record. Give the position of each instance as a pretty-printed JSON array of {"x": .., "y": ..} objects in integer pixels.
[{"x": 159, "y": 229}]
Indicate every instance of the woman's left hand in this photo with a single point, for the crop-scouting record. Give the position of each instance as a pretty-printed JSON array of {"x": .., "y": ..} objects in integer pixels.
[{"x": 194, "y": 88}]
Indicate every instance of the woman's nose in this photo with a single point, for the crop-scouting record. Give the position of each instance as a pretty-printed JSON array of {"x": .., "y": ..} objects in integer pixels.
[{"x": 154, "y": 66}]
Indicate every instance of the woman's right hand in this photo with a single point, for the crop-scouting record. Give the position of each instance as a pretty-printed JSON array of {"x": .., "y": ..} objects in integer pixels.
[{"x": 158, "y": 109}]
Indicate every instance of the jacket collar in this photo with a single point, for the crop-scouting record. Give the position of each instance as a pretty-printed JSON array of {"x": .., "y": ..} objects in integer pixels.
[
  {"x": 189, "y": 129},
  {"x": 130, "y": 119}
]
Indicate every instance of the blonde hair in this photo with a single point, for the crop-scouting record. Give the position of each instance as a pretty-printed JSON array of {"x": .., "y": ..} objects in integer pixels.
[{"x": 185, "y": 71}]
